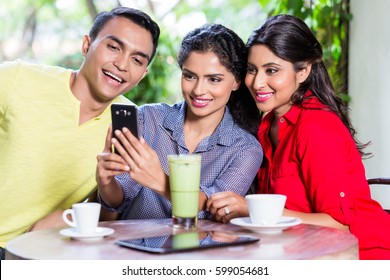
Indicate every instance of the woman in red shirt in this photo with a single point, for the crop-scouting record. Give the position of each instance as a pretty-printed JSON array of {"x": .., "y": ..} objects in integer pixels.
[{"x": 310, "y": 150}]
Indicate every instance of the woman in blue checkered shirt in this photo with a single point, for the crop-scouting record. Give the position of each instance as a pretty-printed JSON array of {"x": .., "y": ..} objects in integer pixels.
[{"x": 217, "y": 119}]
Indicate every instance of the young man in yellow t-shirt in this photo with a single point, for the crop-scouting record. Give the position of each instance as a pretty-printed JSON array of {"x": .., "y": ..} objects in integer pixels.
[{"x": 53, "y": 121}]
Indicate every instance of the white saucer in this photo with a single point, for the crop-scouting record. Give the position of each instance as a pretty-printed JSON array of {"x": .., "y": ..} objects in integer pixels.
[
  {"x": 100, "y": 233},
  {"x": 284, "y": 222}
]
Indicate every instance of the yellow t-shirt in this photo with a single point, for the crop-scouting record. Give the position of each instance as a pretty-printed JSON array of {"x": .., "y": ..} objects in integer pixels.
[{"x": 47, "y": 160}]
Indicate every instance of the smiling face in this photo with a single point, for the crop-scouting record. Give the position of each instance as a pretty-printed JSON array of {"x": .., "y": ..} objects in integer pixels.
[
  {"x": 116, "y": 60},
  {"x": 206, "y": 85},
  {"x": 272, "y": 80}
]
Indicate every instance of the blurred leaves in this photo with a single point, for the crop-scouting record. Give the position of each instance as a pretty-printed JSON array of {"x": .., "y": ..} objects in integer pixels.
[
  {"x": 157, "y": 85},
  {"x": 30, "y": 29}
]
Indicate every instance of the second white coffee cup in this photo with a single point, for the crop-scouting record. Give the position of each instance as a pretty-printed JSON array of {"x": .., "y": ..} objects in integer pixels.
[
  {"x": 265, "y": 209},
  {"x": 85, "y": 217}
]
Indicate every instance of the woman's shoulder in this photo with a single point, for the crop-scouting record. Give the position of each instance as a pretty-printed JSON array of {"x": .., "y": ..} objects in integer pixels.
[
  {"x": 321, "y": 123},
  {"x": 243, "y": 137},
  {"x": 157, "y": 112},
  {"x": 28, "y": 68},
  {"x": 160, "y": 107},
  {"x": 320, "y": 117},
  {"x": 313, "y": 112}
]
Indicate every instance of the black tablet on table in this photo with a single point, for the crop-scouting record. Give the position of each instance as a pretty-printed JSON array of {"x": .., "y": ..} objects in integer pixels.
[{"x": 187, "y": 241}]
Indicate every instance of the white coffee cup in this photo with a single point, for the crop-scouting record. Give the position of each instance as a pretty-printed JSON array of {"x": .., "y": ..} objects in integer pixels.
[
  {"x": 85, "y": 217},
  {"x": 265, "y": 209}
]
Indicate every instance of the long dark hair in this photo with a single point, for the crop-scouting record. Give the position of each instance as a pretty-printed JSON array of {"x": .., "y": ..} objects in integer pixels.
[
  {"x": 231, "y": 51},
  {"x": 289, "y": 38}
]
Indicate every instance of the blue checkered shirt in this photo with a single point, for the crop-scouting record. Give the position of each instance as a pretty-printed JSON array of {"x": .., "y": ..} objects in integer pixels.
[{"x": 231, "y": 158}]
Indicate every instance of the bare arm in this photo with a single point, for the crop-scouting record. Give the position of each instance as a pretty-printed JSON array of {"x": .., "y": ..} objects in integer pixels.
[
  {"x": 202, "y": 201},
  {"x": 319, "y": 219},
  {"x": 238, "y": 208},
  {"x": 234, "y": 202},
  {"x": 144, "y": 163},
  {"x": 145, "y": 167}
]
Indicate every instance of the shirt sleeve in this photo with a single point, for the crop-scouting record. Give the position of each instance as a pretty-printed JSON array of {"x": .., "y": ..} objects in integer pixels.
[
  {"x": 8, "y": 74},
  {"x": 129, "y": 186},
  {"x": 239, "y": 174},
  {"x": 236, "y": 176},
  {"x": 130, "y": 190},
  {"x": 324, "y": 147}
]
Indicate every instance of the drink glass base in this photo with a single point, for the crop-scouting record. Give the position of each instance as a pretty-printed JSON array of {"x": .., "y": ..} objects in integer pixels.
[{"x": 185, "y": 223}]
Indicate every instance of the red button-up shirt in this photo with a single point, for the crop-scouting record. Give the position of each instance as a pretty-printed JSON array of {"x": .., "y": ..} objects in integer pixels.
[{"x": 317, "y": 165}]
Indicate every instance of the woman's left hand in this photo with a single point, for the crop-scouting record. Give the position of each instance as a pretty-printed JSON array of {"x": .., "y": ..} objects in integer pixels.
[
  {"x": 144, "y": 163},
  {"x": 225, "y": 206}
]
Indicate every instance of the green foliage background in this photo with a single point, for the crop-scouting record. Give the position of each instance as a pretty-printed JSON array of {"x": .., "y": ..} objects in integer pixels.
[{"x": 29, "y": 26}]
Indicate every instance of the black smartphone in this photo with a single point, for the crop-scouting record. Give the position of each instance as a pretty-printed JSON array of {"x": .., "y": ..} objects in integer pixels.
[
  {"x": 186, "y": 241},
  {"x": 124, "y": 115}
]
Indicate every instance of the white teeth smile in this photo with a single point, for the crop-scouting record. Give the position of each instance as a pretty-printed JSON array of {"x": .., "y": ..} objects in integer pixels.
[
  {"x": 264, "y": 95},
  {"x": 113, "y": 76},
  {"x": 201, "y": 101}
]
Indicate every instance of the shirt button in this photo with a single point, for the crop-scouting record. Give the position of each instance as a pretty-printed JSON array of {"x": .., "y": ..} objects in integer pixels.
[
  {"x": 342, "y": 194},
  {"x": 281, "y": 119}
]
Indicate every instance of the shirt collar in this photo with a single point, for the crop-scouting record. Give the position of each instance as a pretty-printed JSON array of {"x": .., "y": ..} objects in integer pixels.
[
  {"x": 221, "y": 136},
  {"x": 310, "y": 102},
  {"x": 291, "y": 116}
]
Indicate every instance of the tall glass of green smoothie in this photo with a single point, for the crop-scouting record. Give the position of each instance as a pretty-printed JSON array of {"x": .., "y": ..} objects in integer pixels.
[{"x": 184, "y": 181}]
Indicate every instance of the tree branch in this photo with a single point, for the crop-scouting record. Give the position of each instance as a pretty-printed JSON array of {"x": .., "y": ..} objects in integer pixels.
[{"x": 91, "y": 8}]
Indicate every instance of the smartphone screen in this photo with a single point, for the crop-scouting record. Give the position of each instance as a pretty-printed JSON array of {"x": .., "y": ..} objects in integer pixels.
[{"x": 124, "y": 115}]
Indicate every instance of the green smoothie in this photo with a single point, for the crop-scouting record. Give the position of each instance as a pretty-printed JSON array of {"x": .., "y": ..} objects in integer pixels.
[{"x": 184, "y": 180}]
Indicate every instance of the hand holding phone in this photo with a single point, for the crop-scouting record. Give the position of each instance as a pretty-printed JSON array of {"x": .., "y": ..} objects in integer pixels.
[{"x": 124, "y": 115}]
